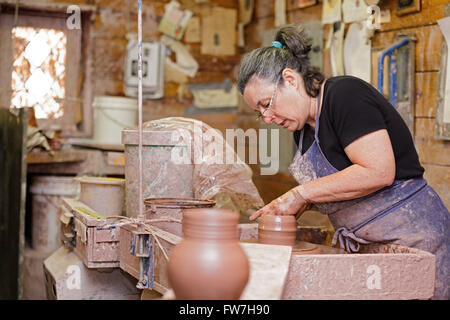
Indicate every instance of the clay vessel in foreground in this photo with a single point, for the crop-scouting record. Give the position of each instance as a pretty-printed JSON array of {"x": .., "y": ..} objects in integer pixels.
[
  {"x": 280, "y": 230},
  {"x": 209, "y": 263}
]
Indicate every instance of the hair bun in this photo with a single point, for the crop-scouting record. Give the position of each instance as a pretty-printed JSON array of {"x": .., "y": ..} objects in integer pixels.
[{"x": 295, "y": 39}]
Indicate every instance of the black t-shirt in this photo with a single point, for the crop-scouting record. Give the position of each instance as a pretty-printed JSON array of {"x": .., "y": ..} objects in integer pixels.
[{"x": 351, "y": 109}]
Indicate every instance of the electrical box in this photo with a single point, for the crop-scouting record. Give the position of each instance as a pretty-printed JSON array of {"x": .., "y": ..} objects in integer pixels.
[{"x": 153, "y": 57}]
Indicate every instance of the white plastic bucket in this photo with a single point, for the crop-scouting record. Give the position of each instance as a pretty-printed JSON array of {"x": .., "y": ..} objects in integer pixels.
[
  {"x": 111, "y": 116},
  {"x": 104, "y": 195},
  {"x": 46, "y": 194}
]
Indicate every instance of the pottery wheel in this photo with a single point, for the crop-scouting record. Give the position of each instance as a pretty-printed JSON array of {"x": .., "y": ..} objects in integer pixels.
[{"x": 306, "y": 248}]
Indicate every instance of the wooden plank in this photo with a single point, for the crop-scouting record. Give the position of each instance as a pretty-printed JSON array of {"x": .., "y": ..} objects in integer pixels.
[
  {"x": 12, "y": 201},
  {"x": 438, "y": 178},
  {"x": 263, "y": 9},
  {"x": 304, "y": 15},
  {"x": 426, "y": 94},
  {"x": 442, "y": 129},
  {"x": 95, "y": 164},
  {"x": 428, "y": 45},
  {"x": 430, "y": 150},
  {"x": 428, "y": 15},
  {"x": 72, "y": 205},
  {"x": 116, "y": 158},
  {"x": 56, "y": 157},
  {"x": 254, "y": 32}
]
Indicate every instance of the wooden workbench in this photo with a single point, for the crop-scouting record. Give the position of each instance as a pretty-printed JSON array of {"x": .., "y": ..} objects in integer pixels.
[{"x": 77, "y": 161}]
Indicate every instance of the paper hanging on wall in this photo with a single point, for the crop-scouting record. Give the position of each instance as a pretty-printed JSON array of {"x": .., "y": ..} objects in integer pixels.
[
  {"x": 280, "y": 13},
  {"x": 357, "y": 51},
  {"x": 331, "y": 11},
  {"x": 245, "y": 17},
  {"x": 444, "y": 24},
  {"x": 219, "y": 31},
  {"x": 193, "y": 32},
  {"x": 354, "y": 10},
  {"x": 185, "y": 63},
  {"x": 246, "y": 11},
  {"x": 336, "y": 50},
  {"x": 174, "y": 21},
  {"x": 215, "y": 95}
]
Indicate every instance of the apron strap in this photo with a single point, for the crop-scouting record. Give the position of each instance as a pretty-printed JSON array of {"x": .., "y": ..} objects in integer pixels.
[
  {"x": 316, "y": 129},
  {"x": 347, "y": 240},
  {"x": 300, "y": 142}
]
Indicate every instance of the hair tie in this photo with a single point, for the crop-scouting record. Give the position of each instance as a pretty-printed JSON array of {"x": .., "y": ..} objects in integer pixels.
[{"x": 277, "y": 44}]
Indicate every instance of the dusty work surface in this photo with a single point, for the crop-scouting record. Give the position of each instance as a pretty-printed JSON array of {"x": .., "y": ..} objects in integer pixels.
[
  {"x": 379, "y": 271},
  {"x": 269, "y": 265}
]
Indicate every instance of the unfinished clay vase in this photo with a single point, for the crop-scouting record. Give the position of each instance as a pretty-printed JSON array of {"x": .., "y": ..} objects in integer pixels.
[
  {"x": 209, "y": 263},
  {"x": 280, "y": 230}
]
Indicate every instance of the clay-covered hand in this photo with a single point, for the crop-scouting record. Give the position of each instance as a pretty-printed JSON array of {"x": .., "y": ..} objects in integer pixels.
[{"x": 290, "y": 203}]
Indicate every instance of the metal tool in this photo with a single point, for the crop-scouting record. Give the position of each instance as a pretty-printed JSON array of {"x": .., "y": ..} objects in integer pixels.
[{"x": 401, "y": 76}]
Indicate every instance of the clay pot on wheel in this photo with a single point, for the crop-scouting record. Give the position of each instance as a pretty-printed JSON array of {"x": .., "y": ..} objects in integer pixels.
[
  {"x": 280, "y": 230},
  {"x": 209, "y": 263}
]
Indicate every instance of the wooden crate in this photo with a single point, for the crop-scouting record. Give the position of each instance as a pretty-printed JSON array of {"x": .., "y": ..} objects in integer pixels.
[
  {"x": 97, "y": 243},
  {"x": 155, "y": 268},
  {"x": 129, "y": 262}
]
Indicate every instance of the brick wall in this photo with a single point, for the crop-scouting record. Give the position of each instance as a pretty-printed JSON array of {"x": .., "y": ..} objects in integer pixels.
[{"x": 116, "y": 18}]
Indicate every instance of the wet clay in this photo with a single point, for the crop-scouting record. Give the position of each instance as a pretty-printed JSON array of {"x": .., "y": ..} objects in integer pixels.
[
  {"x": 278, "y": 230},
  {"x": 209, "y": 263}
]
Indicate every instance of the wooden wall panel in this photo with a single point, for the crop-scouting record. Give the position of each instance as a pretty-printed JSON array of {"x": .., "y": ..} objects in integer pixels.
[
  {"x": 429, "y": 14},
  {"x": 438, "y": 177},
  {"x": 430, "y": 150},
  {"x": 426, "y": 93},
  {"x": 428, "y": 46}
]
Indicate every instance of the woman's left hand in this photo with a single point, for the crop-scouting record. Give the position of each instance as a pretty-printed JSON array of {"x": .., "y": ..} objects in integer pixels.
[{"x": 290, "y": 203}]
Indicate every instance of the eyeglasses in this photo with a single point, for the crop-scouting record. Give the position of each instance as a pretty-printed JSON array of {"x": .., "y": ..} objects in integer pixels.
[{"x": 270, "y": 105}]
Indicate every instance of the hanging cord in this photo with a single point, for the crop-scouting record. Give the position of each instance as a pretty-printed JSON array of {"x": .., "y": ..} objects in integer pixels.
[{"x": 148, "y": 228}]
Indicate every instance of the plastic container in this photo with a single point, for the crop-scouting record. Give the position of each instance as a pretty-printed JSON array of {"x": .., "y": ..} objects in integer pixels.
[
  {"x": 111, "y": 116},
  {"x": 104, "y": 195},
  {"x": 46, "y": 193}
]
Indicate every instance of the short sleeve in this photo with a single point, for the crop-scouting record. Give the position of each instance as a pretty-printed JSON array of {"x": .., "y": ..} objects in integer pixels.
[{"x": 353, "y": 110}]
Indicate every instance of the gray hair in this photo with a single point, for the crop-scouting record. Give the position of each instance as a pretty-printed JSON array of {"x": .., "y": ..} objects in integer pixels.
[{"x": 269, "y": 62}]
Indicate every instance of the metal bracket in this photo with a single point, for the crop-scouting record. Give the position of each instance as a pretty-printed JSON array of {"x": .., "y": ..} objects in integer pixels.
[
  {"x": 142, "y": 247},
  {"x": 402, "y": 70}
]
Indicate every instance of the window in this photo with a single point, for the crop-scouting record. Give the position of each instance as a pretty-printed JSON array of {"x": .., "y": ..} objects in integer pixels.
[
  {"x": 38, "y": 73},
  {"x": 49, "y": 67}
]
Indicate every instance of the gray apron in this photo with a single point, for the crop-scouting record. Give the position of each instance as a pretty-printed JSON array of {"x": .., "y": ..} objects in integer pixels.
[{"x": 408, "y": 213}]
